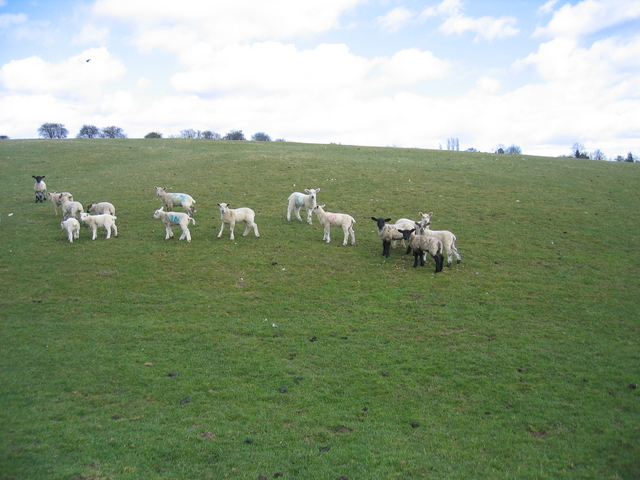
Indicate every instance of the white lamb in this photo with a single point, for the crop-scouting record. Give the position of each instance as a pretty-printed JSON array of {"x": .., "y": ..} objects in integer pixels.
[
  {"x": 299, "y": 200},
  {"x": 231, "y": 216},
  {"x": 170, "y": 199},
  {"x": 104, "y": 220},
  {"x": 424, "y": 243},
  {"x": 40, "y": 188},
  {"x": 175, "y": 218},
  {"x": 388, "y": 233},
  {"x": 56, "y": 199},
  {"x": 70, "y": 209},
  {"x": 447, "y": 238},
  {"x": 328, "y": 219},
  {"x": 72, "y": 226},
  {"x": 102, "y": 207}
]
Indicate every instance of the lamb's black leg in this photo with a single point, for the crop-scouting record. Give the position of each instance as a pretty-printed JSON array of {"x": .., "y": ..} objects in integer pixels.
[
  {"x": 439, "y": 262},
  {"x": 386, "y": 249}
]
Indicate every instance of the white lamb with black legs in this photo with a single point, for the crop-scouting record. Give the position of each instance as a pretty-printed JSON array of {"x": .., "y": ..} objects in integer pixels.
[
  {"x": 72, "y": 226},
  {"x": 170, "y": 199},
  {"x": 343, "y": 220},
  {"x": 231, "y": 216},
  {"x": 447, "y": 238},
  {"x": 106, "y": 221},
  {"x": 299, "y": 200},
  {"x": 424, "y": 243},
  {"x": 388, "y": 233},
  {"x": 175, "y": 218},
  {"x": 40, "y": 188}
]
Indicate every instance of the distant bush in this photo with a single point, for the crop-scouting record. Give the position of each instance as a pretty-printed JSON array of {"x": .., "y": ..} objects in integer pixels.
[
  {"x": 209, "y": 135},
  {"x": 88, "y": 131},
  {"x": 52, "y": 130},
  {"x": 261, "y": 137},
  {"x": 112, "y": 132},
  {"x": 234, "y": 135},
  {"x": 4, "y": 137},
  {"x": 153, "y": 135}
]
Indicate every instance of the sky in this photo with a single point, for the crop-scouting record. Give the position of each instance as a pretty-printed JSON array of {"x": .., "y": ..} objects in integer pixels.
[{"x": 542, "y": 75}]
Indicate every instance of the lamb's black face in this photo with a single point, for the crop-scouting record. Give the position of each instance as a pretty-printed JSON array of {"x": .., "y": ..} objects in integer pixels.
[
  {"x": 380, "y": 221},
  {"x": 38, "y": 177}
]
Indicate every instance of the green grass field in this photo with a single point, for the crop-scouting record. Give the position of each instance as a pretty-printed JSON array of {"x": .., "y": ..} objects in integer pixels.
[{"x": 305, "y": 360}]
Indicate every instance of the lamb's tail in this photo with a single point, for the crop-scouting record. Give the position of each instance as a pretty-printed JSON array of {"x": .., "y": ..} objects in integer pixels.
[{"x": 191, "y": 219}]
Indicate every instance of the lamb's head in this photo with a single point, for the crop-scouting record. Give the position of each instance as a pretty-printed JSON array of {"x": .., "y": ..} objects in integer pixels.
[
  {"x": 224, "y": 207},
  {"x": 156, "y": 214},
  {"x": 380, "y": 221},
  {"x": 312, "y": 192},
  {"x": 38, "y": 178},
  {"x": 426, "y": 218},
  {"x": 406, "y": 234},
  {"x": 160, "y": 190},
  {"x": 318, "y": 208}
]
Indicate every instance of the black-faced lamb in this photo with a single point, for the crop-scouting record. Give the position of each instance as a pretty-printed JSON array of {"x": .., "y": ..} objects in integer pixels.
[
  {"x": 388, "y": 232},
  {"x": 70, "y": 208},
  {"x": 299, "y": 200},
  {"x": 170, "y": 199},
  {"x": 72, "y": 226},
  {"x": 447, "y": 238},
  {"x": 329, "y": 219},
  {"x": 424, "y": 243},
  {"x": 40, "y": 188},
  {"x": 175, "y": 218},
  {"x": 101, "y": 207},
  {"x": 56, "y": 199},
  {"x": 104, "y": 220},
  {"x": 231, "y": 216}
]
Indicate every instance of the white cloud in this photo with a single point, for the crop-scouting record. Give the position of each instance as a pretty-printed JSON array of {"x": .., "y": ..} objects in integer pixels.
[
  {"x": 10, "y": 19},
  {"x": 456, "y": 22},
  {"x": 547, "y": 7},
  {"x": 74, "y": 76},
  {"x": 589, "y": 16},
  {"x": 394, "y": 20},
  {"x": 91, "y": 34},
  {"x": 222, "y": 23},
  {"x": 488, "y": 84}
]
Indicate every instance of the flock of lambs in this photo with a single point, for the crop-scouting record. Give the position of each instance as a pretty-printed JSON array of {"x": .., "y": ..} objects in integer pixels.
[{"x": 421, "y": 239}]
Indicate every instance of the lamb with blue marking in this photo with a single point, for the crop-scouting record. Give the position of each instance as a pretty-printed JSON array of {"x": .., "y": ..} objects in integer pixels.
[
  {"x": 299, "y": 200},
  {"x": 170, "y": 199},
  {"x": 175, "y": 218}
]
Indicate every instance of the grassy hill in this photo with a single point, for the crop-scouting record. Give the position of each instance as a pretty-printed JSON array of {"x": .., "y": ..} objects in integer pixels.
[{"x": 309, "y": 359}]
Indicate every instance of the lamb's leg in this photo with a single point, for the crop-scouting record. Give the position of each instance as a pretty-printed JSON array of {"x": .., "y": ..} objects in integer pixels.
[
  {"x": 247, "y": 229},
  {"x": 94, "y": 232},
  {"x": 353, "y": 235},
  {"x": 309, "y": 217},
  {"x": 115, "y": 230},
  {"x": 221, "y": 229},
  {"x": 232, "y": 226},
  {"x": 187, "y": 234},
  {"x": 169, "y": 232},
  {"x": 108, "y": 229},
  {"x": 255, "y": 230}
]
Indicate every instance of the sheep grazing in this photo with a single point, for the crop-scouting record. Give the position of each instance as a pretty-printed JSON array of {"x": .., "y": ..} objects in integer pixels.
[
  {"x": 388, "y": 233},
  {"x": 70, "y": 209},
  {"x": 299, "y": 200},
  {"x": 175, "y": 218},
  {"x": 40, "y": 188},
  {"x": 104, "y": 220},
  {"x": 170, "y": 199},
  {"x": 56, "y": 199},
  {"x": 447, "y": 238},
  {"x": 424, "y": 243},
  {"x": 101, "y": 207},
  {"x": 72, "y": 226},
  {"x": 231, "y": 216},
  {"x": 328, "y": 219}
]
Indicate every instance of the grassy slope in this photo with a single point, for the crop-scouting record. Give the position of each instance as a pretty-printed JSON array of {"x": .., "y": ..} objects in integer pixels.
[{"x": 515, "y": 364}]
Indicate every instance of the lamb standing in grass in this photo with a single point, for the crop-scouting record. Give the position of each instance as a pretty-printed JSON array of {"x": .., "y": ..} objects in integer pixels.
[
  {"x": 101, "y": 207},
  {"x": 231, "y": 216},
  {"x": 175, "y": 218},
  {"x": 72, "y": 226},
  {"x": 70, "y": 209},
  {"x": 105, "y": 221},
  {"x": 424, "y": 243},
  {"x": 56, "y": 199},
  {"x": 388, "y": 233},
  {"x": 170, "y": 199},
  {"x": 447, "y": 238},
  {"x": 40, "y": 188},
  {"x": 299, "y": 200},
  {"x": 328, "y": 219}
]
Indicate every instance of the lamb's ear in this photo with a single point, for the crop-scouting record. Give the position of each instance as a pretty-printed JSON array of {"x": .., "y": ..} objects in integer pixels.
[
  {"x": 317, "y": 190},
  {"x": 387, "y": 219},
  {"x": 431, "y": 214},
  {"x": 374, "y": 219}
]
